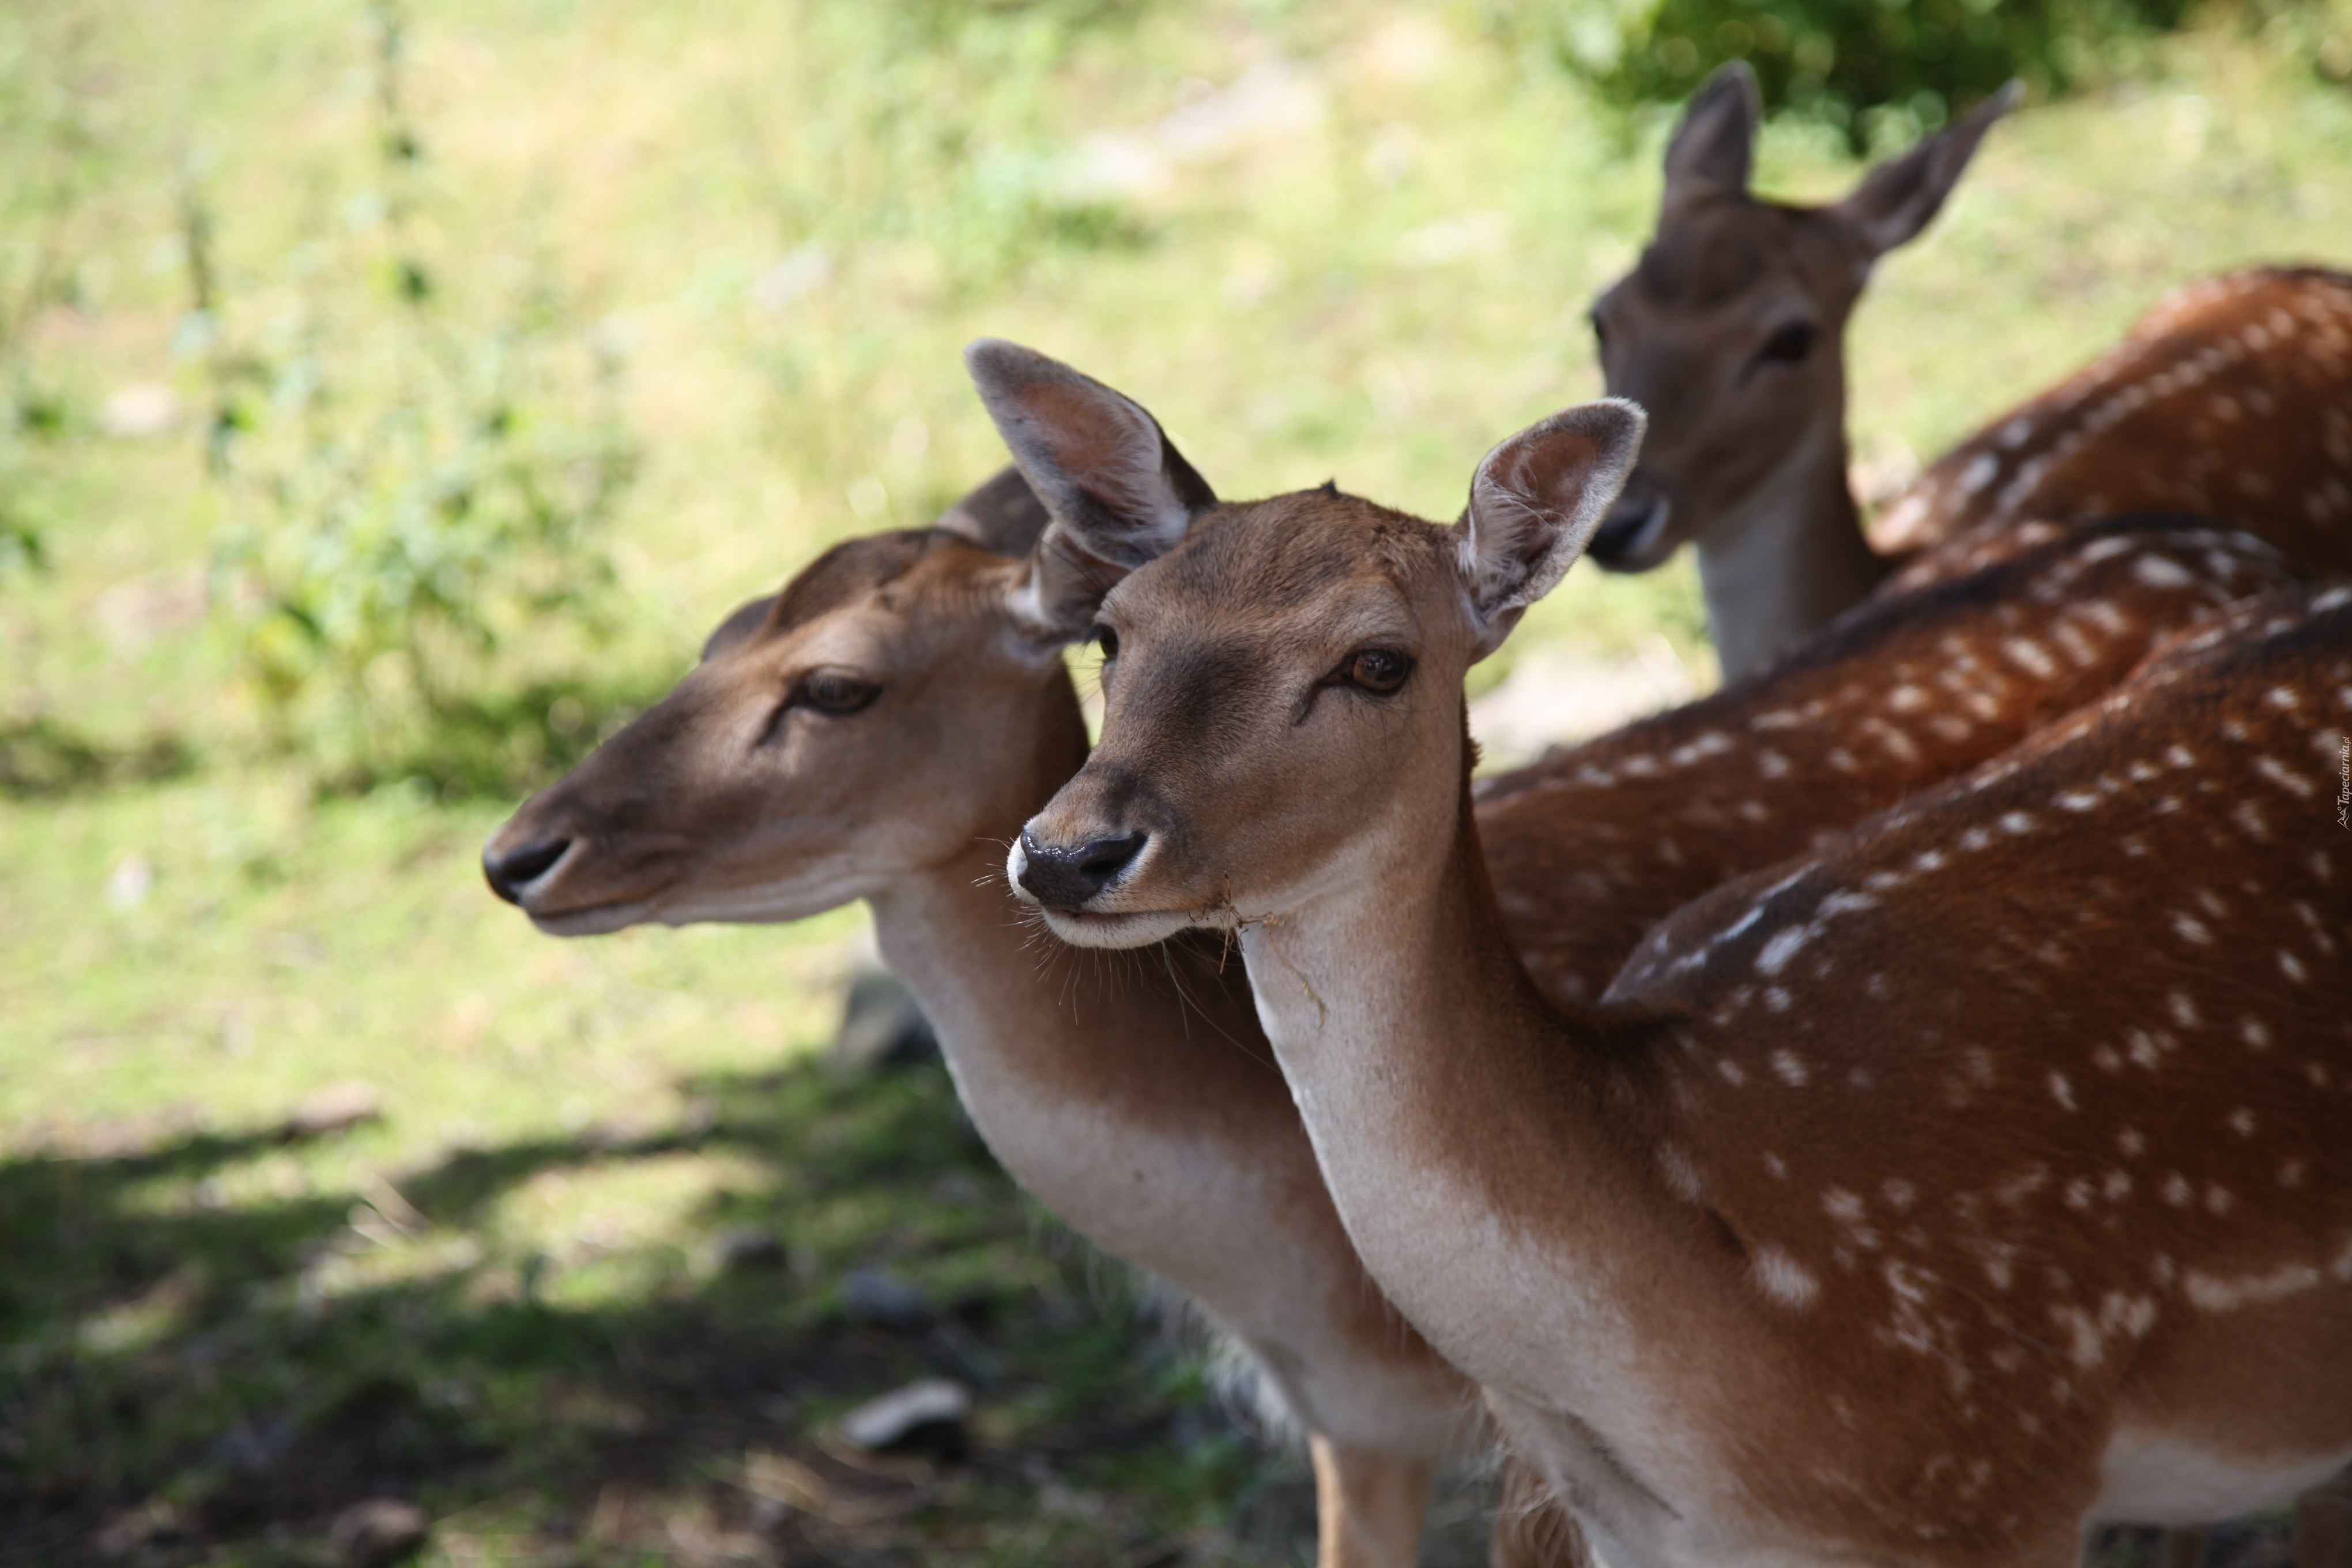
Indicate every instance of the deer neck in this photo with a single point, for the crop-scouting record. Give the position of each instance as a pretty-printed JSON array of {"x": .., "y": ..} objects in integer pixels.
[
  {"x": 952, "y": 929},
  {"x": 1790, "y": 557},
  {"x": 1457, "y": 1115},
  {"x": 1075, "y": 1065}
]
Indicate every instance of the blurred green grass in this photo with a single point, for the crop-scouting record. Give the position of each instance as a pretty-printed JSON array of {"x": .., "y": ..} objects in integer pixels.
[{"x": 1352, "y": 240}]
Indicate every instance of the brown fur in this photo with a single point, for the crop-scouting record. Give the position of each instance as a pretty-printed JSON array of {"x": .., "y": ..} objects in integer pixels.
[
  {"x": 1795, "y": 1246},
  {"x": 1910, "y": 688},
  {"x": 2230, "y": 400}
]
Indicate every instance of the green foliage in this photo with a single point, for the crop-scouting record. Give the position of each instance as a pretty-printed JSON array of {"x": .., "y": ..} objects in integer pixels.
[
  {"x": 1878, "y": 71},
  {"x": 932, "y": 125},
  {"x": 41, "y": 756},
  {"x": 418, "y": 489},
  {"x": 2317, "y": 31},
  {"x": 50, "y": 159}
]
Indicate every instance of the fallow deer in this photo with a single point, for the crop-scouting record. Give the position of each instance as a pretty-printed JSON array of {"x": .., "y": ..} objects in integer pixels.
[
  {"x": 677, "y": 820},
  {"x": 1916, "y": 1201},
  {"x": 878, "y": 730},
  {"x": 2231, "y": 401}
]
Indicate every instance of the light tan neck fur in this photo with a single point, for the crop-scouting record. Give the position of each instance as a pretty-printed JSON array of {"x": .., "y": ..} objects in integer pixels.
[{"x": 1790, "y": 557}]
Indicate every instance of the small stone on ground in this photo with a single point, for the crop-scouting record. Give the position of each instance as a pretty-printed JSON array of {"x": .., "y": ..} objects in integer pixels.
[
  {"x": 926, "y": 1414},
  {"x": 378, "y": 1532},
  {"x": 751, "y": 1247},
  {"x": 880, "y": 1299}
]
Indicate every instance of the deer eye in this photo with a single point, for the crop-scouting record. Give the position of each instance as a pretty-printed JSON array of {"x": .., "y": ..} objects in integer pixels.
[
  {"x": 1105, "y": 639},
  {"x": 1377, "y": 671},
  {"x": 839, "y": 694},
  {"x": 1791, "y": 344}
]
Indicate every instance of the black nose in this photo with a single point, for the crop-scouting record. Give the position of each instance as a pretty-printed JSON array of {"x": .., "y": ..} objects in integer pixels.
[
  {"x": 1620, "y": 529},
  {"x": 1066, "y": 878},
  {"x": 511, "y": 873}
]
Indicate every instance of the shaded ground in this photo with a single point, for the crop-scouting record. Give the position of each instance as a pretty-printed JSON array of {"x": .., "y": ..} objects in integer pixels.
[{"x": 217, "y": 1382}]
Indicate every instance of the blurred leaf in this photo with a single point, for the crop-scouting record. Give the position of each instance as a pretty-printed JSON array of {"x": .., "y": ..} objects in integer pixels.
[{"x": 1880, "y": 71}]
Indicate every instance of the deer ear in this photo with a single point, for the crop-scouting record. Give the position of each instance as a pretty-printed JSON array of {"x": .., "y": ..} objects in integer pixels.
[
  {"x": 1534, "y": 504},
  {"x": 1055, "y": 599},
  {"x": 1901, "y": 197},
  {"x": 1105, "y": 470},
  {"x": 1004, "y": 515},
  {"x": 738, "y": 626},
  {"x": 1711, "y": 150}
]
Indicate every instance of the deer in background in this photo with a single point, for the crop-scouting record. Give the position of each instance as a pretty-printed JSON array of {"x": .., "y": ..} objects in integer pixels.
[
  {"x": 2231, "y": 401},
  {"x": 886, "y": 723},
  {"x": 1917, "y": 1201}
]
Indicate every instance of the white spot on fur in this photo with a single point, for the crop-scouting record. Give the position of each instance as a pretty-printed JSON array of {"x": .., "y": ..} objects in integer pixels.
[
  {"x": 2031, "y": 656},
  {"x": 2061, "y": 1090},
  {"x": 2279, "y": 774},
  {"x": 1784, "y": 1279},
  {"x": 2212, "y": 1294},
  {"x": 1782, "y": 948},
  {"x": 1680, "y": 1174}
]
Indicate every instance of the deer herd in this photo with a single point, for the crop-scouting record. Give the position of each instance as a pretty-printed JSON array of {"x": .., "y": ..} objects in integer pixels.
[{"x": 1897, "y": 1109}]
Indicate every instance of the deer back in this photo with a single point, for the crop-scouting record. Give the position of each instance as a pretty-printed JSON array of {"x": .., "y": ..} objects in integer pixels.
[
  {"x": 2026, "y": 1101},
  {"x": 2007, "y": 631},
  {"x": 2231, "y": 401}
]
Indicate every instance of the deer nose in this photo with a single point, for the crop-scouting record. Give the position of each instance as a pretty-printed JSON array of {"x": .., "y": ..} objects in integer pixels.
[
  {"x": 1620, "y": 527},
  {"x": 508, "y": 872},
  {"x": 1065, "y": 878}
]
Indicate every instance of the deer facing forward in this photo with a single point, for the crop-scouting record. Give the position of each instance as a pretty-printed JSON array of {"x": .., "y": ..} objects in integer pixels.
[{"x": 1980, "y": 1175}]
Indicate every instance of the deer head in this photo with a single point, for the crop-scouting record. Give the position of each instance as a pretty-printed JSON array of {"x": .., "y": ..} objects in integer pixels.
[
  {"x": 1378, "y": 615},
  {"x": 831, "y": 738},
  {"x": 1731, "y": 330}
]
